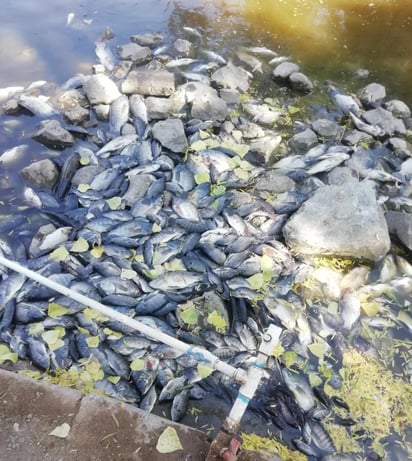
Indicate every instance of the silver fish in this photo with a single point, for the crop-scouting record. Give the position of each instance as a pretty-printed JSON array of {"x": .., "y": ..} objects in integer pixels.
[
  {"x": 118, "y": 115},
  {"x": 105, "y": 55}
]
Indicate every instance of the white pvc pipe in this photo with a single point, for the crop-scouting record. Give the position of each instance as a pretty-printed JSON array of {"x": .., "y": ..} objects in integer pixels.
[{"x": 198, "y": 353}]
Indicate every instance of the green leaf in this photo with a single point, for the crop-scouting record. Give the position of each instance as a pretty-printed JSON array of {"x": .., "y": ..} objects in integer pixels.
[
  {"x": 61, "y": 431},
  {"x": 256, "y": 281},
  {"x": 155, "y": 228},
  {"x": 6, "y": 355},
  {"x": 293, "y": 110},
  {"x": 84, "y": 161},
  {"x": 245, "y": 165},
  {"x": 168, "y": 441},
  {"x": 314, "y": 380},
  {"x": 241, "y": 174},
  {"x": 189, "y": 315},
  {"x": 83, "y": 187},
  {"x": 114, "y": 203},
  {"x": 137, "y": 365},
  {"x": 266, "y": 265},
  {"x": 56, "y": 345},
  {"x": 204, "y": 370},
  {"x": 200, "y": 178},
  {"x": 217, "y": 189},
  {"x": 216, "y": 319},
  {"x": 55, "y": 310},
  {"x": 97, "y": 252},
  {"x": 92, "y": 314},
  {"x": 93, "y": 341},
  {"x": 95, "y": 370},
  {"x": 110, "y": 332},
  {"x": 370, "y": 309},
  {"x": 113, "y": 379},
  {"x": 239, "y": 149},
  {"x": 59, "y": 254},
  {"x": 317, "y": 349},
  {"x": 278, "y": 350},
  {"x": 51, "y": 336},
  {"x": 80, "y": 245},
  {"x": 289, "y": 358},
  {"x": 36, "y": 328},
  {"x": 198, "y": 145}
]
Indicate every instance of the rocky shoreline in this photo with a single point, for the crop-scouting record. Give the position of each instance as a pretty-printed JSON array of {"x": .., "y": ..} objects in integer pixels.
[{"x": 183, "y": 198}]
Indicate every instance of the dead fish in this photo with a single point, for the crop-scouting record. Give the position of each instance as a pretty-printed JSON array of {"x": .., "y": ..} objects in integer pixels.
[
  {"x": 118, "y": 115},
  {"x": 214, "y": 57},
  {"x": 172, "y": 388},
  {"x": 117, "y": 143},
  {"x": 328, "y": 164},
  {"x": 262, "y": 51},
  {"x": 179, "y": 405},
  {"x": 105, "y": 55},
  {"x": 185, "y": 209},
  {"x": 373, "y": 130},
  {"x": 14, "y": 154},
  {"x": 349, "y": 306},
  {"x": 180, "y": 62},
  {"x": 37, "y": 105},
  {"x": 177, "y": 280}
]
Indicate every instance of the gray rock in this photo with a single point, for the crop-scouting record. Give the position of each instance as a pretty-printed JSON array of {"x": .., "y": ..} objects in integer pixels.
[
  {"x": 100, "y": 89},
  {"x": 135, "y": 53},
  {"x": 232, "y": 77},
  {"x": 121, "y": 71},
  {"x": 203, "y": 101},
  {"x": 231, "y": 97},
  {"x": 401, "y": 147},
  {"x": 400, "y": 224},
  {"x": 138, "y": 185},
  {"x": 398, "y": 108},
  {"x": 159, "y": 108},
  {"x": 53, "y": 135},
  {"x": 385, "y": 120},
  {"x": 372, "y": 95},
  {"x": 42, "y": 174},
  {"x": 148, "y": 39},
  {"x": 272, "y": 181},
  {"x": 171, "y": 134},
  {"x": 303, "y": 141},
  {"x": 102, "y": 111},
  {"x": 343, "y": 220},
  {"x": 149, "y": 82},
  {"x": 284, "y": 70},
  {"x": 251, "y": 130},
  {"x": 70, "y": 99},
  {"x": 86, "y": 174},
  {"x": 300, "y": 82},
  {"x": 182, "y": 47},
  {"x": 128, "y": 129},
  {"x": 361, "y": 74},
  {"x": 341, "y": 175},
  {"x": 12, "y": 107},
  {"x": 354, "y": 137},
  {"x": 77, "y": 115},
  {"x": 326, "y": 128}
]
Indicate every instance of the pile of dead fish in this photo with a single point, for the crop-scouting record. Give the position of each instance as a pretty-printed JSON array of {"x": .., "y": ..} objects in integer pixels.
[{"x": 169, "y": 205}]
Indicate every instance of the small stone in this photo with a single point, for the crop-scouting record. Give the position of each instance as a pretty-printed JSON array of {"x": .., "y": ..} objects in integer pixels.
[
  {"x": 300, "y": 82},
  {"x": 326, "y": 128},
  {"x": 159, "y": 108},
  {"x": 53, "y": 135},
  {"x": 86, "y": 174},
  {"x": 122, "y": 69},
  {"x": 42, "y": 174},
  {"x": 284, "y": 70},
  {"x": 148, "y": 39},
  {"x": 400, "y": 224},
  {"x": 398, "y": 108},
  {"x": 232, "y": 77},
  {"x": 303, "y": 141},
  {"x": 372, "y": 95},
  {"x": 77, "y": 115},
  {"x": 354, "y": 137},
  {"x": 401, "y": 148},
  {"x": 272, "y": 181},
  {"x": 231, "y": 97},
  {"x": 171, "y": 134},
  {"x": 135, "y": 53},
  {"x": 12, "y": 107},
  {"x": 102, "y": 112},
  {"x": 385, "y": 120},
  {"x": 182, "y": 47}
]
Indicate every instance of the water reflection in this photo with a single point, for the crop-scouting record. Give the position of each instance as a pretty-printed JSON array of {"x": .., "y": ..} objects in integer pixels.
[{"x": 337, "y": 35}]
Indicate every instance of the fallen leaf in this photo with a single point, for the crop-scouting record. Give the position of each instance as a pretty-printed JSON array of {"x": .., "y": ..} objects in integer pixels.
[
  {"x": 204, "y": 370},
  {"x": 6, "y": 355},
  {"x": 59, "y": 254},
  {"x": 61, "y": 431},
  {"x": 137, "y": 365},
  {"x": 56, "y": 310},
  {"x": 114, "y": 203},
  {"x": 80, "y": 245},
  {"x": 168, "y": 441}
]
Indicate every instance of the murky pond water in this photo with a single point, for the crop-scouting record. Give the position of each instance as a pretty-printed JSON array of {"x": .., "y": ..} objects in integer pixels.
[{"x": 331, "y": 39}]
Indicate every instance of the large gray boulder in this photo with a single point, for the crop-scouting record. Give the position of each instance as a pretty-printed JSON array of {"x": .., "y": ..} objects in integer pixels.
[
  {"x": 53, "y": 135},
  {"x": 340, "y": 220},
  {"x": 232, "y": 77},
  {"x": 149, "y": 82},
  {"x": 42, "y": 174}
]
